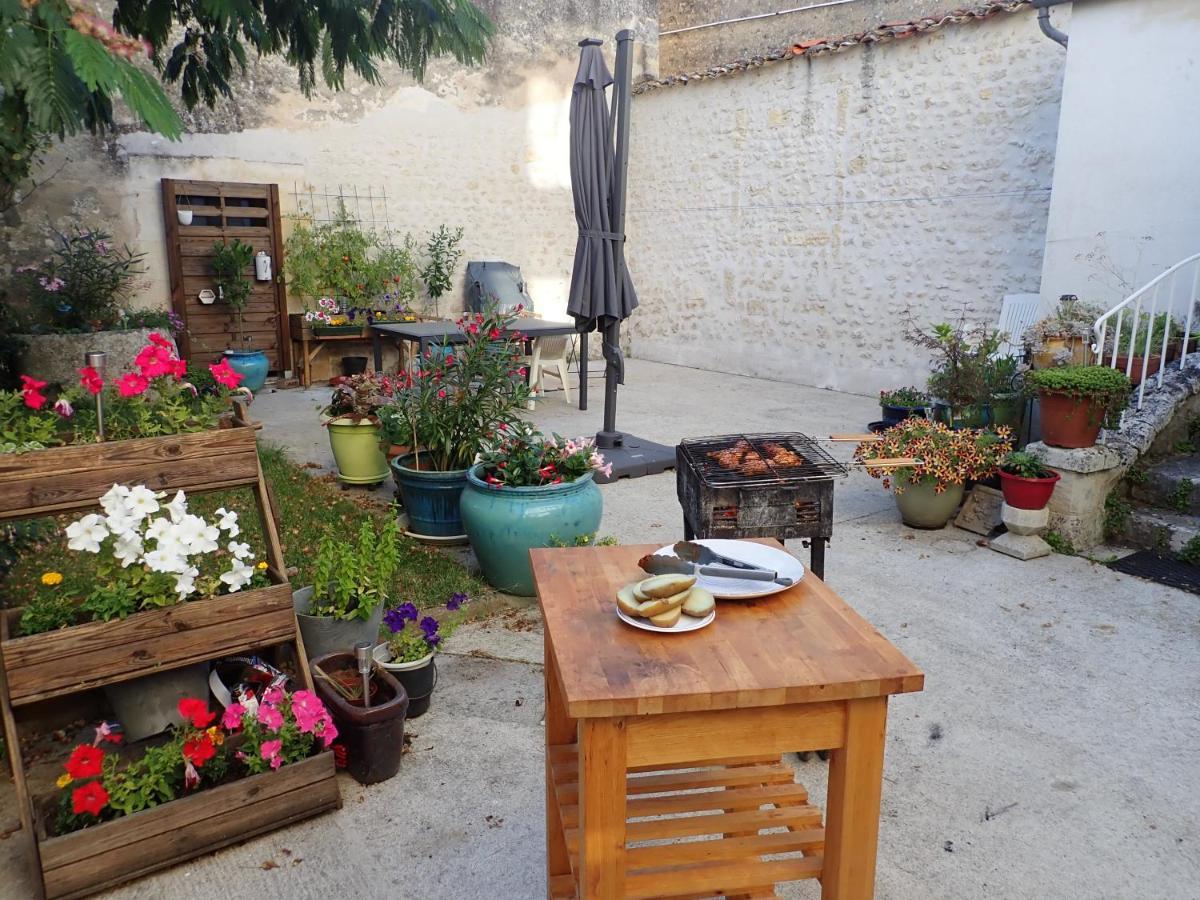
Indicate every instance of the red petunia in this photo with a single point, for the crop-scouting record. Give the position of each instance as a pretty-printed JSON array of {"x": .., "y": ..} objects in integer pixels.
[
  {"x": 224, "y": 374},
  {"x": 156, "y": 338},
  {"x": 132, "y": 384},
  {"x": 91, "y": 380},
  {"x": 85, "y": 762},
  {"x": 31, "y": 392},
  {"x": 196, "y": 712},
  {"x": 199, "y": 750},
  {"x": 91, "y": 799}
]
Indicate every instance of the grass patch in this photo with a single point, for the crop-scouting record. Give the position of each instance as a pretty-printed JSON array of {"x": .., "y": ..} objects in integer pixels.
[{"x": 308, "y": 509}]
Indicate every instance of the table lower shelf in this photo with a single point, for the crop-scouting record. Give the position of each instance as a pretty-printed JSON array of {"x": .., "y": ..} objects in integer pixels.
[{"x": 714, "y": 816}]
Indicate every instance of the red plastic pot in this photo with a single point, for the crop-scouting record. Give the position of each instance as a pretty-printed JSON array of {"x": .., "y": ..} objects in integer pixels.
[
  {"x": 1067, "y": 422},
  {"x": 1027, "y": 493}
]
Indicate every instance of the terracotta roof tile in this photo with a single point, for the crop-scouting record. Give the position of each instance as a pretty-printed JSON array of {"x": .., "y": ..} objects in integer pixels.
[{"x": 880, "y": 34}]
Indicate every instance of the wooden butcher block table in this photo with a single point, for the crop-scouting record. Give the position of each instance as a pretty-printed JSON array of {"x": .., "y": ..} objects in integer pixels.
[{"x": 654, "y": 737}]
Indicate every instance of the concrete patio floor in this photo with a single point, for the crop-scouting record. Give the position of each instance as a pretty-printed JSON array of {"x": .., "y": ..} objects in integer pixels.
[{"x": 1053, "y": 753}]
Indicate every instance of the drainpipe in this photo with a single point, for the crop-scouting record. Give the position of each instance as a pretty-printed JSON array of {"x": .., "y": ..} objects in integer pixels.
[{"x": 1048, "y": 29}]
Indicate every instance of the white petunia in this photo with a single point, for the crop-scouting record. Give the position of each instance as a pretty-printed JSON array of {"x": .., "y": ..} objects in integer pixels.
[
  {"x": 128, "y": 549},
  {"x": 160, "y": 560},
  {"x": 141, "y": 502},
  {"x": 87, "y": 533},
  {"x": 185, "y": 581},
  {"x": 228, "y": 522},
  {"x": 158, "y": 528},
  {"x": 197, "y": 535},
  {"x": 241, "y": 551},
  {"x": 177, "y": 508},
  {"x": 239, "y": 576},
  {"x": 121, "y": 523},
  {"x": 114, "y": 501}
]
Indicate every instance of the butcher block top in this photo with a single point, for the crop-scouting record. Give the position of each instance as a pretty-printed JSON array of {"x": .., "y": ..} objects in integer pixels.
[{"x": 802, "y": 645}]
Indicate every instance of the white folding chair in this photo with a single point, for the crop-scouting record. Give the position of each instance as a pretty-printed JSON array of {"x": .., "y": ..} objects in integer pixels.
[{"x": 1016, "y": 315}]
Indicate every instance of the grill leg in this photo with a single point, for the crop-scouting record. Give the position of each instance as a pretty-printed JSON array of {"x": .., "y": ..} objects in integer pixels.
[
  {"x": 817, "y": 557},
  {"x": 689, "y": 533}
]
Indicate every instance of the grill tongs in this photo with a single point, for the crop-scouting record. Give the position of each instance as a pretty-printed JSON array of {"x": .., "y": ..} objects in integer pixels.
[{"x": 696, "y": 558}]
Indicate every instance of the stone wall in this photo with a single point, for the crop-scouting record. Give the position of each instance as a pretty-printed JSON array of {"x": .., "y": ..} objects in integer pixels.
[
  {"x": 782, "y": 221},
  {"x": 485, "y": 148}
]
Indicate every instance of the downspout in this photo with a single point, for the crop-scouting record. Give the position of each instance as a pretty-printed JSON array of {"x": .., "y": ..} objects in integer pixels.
[{"x": 1055, "y": 34}]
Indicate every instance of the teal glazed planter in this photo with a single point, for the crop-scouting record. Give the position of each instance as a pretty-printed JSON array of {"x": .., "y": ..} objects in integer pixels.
[
  {"x": 431, "y": 498},
  {"x": 251, "y": 365},
  {"x": 505, "y": 523}
]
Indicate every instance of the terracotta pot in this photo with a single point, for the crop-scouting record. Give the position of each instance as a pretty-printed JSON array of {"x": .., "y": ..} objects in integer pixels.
[
  {"x": 1135, "y": 373},
  {"x": 1069, "y": 423},
  {"x": 395, "y": 450},
  {"x": 1027, "y": 493}
]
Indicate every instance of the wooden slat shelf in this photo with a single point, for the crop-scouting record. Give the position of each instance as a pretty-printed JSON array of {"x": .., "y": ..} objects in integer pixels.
[{"x": 729, "y": 804}]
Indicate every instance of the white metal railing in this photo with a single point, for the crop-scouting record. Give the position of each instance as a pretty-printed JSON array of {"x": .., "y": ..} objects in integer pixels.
[{"x": 1142, "y": 343}]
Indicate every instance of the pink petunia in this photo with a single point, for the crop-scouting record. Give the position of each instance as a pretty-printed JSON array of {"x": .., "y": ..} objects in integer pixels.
[
  {"x": 270, "y": 717},
  {"x": 273, "y": 695},
  {"x": 224, "y": 374},
  {"x": 132, "y": 384},
  {"x": 91, "y": 380},
  {"x": 271, "y": 751},
  {"x": 156, "y": 338},
  {"x": 31, "y": 392},
  {"x": 231, "y": 719}
]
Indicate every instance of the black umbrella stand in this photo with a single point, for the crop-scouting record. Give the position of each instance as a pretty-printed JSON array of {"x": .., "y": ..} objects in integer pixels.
[{"x": 631, "y": 456}]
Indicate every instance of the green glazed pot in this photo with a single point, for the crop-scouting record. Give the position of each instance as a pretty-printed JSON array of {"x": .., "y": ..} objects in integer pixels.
[
  {"x": 922, "y": 507},
  {"x": 356, "y": 451},
  {"x": 973, "y": 416},
  {"x": 1008, "y": 409},
  {"x": 505, "y": 523}
]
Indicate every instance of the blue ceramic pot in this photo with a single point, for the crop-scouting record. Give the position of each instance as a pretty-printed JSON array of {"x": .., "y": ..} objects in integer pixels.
[
  {"x": 430, "y": 497},
  {"x": 505, "y": 523},
  {"x": 251, "y": 365}
]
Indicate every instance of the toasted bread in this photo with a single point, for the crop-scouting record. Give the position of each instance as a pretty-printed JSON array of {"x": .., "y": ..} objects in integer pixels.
[
  {"x": 699, "y": 603},
  {"x": 666, "y": 585},
  {"x": 667, "y": 619}
]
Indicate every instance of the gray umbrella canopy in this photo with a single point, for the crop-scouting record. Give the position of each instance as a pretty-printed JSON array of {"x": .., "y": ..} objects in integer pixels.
[{"x": 595, "y": 300}]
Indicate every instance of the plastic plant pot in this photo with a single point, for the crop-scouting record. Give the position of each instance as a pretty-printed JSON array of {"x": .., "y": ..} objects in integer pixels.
[
  {"x": 373, "y": 737},
  {"x": 1068, "y": 422},
  {"x": 1027, "y": 493}
]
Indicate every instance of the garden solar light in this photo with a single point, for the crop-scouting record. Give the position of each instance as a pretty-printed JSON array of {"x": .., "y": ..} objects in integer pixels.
[
  {"x": 97, "y": 360},
  {"x": 362, "y": 652}
]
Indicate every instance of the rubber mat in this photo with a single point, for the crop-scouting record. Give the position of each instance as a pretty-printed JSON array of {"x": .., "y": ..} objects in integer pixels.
[{"x": 1162, "y": 569}]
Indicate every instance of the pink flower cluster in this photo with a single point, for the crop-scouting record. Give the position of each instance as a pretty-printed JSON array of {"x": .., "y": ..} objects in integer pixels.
[
  {"x": 306, "y": 710},
  {"x": 118, "y": 44}
]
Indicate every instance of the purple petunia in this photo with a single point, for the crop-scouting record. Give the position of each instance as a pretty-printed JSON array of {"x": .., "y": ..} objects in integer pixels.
[
  {"x": 455, "y": 601},
  {"x": 429, "y": 625},
  {"x": 395, "y": 619}
]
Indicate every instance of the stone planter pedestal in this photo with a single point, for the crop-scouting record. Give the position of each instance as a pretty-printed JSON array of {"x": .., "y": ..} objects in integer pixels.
[
  {"x": 1077, "y": 505},
  {"x": 1025, "y": 527}
]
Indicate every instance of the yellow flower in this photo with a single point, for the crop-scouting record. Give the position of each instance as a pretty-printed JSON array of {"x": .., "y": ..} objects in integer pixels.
[
  {"x": 50, "y": 579},
  {"x": 216, "y": 736},
  {"x": 63, "y": 780},
  {"x": 262, "y": 565}
]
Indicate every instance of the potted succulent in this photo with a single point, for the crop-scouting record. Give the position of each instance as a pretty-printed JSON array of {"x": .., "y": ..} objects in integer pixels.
[
  {"x": 230, "y": 262},
  {"x": 446, "y": 410},
  {"x": 902, "y": 403},
  {"x": 1026, "y": 481},
  {"x": 352, "y": 419},
  {"x": 410, "y": 641},
  {"x": 929, "y": 492},
  {"x": 1075, "y": 401},
  {"x": 526, "y": 489},
  {"x": 961, "y": 354},
  {"x": 352, "y": 581},
  {"x": 1062, "y": 338}
]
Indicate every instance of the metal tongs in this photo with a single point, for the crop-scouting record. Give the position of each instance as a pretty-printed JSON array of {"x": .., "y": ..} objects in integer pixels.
[{"x": 694, "y": 559}]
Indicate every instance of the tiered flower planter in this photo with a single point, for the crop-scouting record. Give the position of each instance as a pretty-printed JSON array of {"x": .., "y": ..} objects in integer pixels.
[{"x": 42, "y": 667}]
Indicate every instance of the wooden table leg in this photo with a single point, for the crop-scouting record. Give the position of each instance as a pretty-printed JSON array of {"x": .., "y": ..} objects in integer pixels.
[
  {"x": 602, "y": 773},
  {"x": 304, "y": 350},
  {"x": 852, "y": 815},
  {"x": 560, "y": 729}
]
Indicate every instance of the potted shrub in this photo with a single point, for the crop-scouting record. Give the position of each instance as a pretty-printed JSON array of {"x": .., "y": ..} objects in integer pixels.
[
  {"x": 229, "y": 263},
  {"x": 929, "y": 492},
  {"x": 352, "y": 420},
  {"x": 960, "y": 364},
  {"x": 1075, "y": 401},
  {"x": 352, "y": 581},
  {"x": 1063, "y": 337},
  {"x": 1006, "y": 403},
  {"x": 902, "y": 403},
  {"x": 1026, "y": 481},
  {"x": 460, "y": 397},
  {"x": 410, "y": 642},
  {"x": 525, "y": 490}
]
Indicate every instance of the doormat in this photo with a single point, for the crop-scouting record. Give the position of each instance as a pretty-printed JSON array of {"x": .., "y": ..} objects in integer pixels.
[{"x": 1162, "y": 569}]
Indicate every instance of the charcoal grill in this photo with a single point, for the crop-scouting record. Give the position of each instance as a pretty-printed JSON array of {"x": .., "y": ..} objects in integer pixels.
[{"x": 770, "y": 494}]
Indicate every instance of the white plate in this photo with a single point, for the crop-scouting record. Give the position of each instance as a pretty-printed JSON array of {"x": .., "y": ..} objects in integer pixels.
[
  {"x": 782, "y": 562},
  {"x": 685, "y": 623}
]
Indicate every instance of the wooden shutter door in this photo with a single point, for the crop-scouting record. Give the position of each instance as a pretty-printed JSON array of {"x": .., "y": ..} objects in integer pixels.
[{"x": 222, "y": 211}]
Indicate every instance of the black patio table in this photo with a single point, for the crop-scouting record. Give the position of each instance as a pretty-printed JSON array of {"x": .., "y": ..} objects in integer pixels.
[{"x": 425, "y": 333}]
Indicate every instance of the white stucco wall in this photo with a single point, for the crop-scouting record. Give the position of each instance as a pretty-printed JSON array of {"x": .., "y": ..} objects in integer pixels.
[
  {"x": 782, "y": 221},
  {"x": 1127, "y": 173}
]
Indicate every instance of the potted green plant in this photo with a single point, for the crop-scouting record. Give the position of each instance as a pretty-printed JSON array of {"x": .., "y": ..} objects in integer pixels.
[
  {"x": 1026, "y": 481},
  {"x": 525, "y": 490},
  {"x": 928, "y": 492},
  {"x": 229, "y": 263},
  {"x": 1063, "y": 337},
  {"x": 461, "y": 396},
  {"x": 1006, "y": 403},
  {"x": 352, "y": 420},
  {"x": 902, "y": 403},
  {"x": 410, "y": 642},
  {"x": 961, "y": 352},
  {"x": 1075, "y": 401},
  {"x": 1133, "y": 347},
  {"x": 443, "y": 255},
  {"x": 352, "y": 582}
]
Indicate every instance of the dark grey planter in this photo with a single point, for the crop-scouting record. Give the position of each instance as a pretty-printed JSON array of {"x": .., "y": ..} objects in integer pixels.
[
  {"x": 323, "y": 635},
  {"x": 150, "y": 705}
]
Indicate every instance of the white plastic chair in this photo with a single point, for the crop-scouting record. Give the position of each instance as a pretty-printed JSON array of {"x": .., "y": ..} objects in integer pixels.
[
  {"x": 1017, "y": 314},
  {"x": 550, "y": 358}
]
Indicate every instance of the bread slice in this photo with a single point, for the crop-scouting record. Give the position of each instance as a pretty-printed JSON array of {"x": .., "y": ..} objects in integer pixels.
[
  {"x": 669, "y": 618},
  {"x": 699, "y": 603},
  {"x": 658, "y": 607},
  {"x": 666, "y": 585},
  {"x": 628, "y": 603}
]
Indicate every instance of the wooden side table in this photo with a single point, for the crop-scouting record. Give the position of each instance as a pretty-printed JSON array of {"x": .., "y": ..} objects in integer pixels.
[{"x": 700, "y": 721}]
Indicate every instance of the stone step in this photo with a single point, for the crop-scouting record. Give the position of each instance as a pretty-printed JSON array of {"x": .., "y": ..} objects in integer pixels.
[
  {"x": 1173, "y": 484},
  {"x": 1158, "y": 529}
]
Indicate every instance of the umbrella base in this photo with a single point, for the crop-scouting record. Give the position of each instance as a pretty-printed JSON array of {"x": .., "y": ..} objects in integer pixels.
[{"x": 632, "y": 457}]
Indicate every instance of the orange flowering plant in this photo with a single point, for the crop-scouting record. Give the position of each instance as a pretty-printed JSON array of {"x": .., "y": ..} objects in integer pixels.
[{"x": 944, "y": 457}]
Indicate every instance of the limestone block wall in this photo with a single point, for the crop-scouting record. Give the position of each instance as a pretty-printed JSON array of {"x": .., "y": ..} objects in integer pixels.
[{"x": 782, "y": 221}]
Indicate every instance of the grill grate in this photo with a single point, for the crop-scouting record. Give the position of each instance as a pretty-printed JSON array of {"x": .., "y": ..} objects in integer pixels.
[{"x": 759, "y": 460}]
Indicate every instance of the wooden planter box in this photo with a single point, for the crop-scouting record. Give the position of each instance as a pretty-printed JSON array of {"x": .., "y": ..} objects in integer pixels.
[
  {"x": 338, "y": 330},
  {"x": 87, "y": 861},
  {"x": 55, "y": 663}
]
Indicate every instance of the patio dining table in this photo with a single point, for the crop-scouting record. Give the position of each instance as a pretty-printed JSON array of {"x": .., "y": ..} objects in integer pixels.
[
  {"x": 425, "y": 333},
  {"x": 655, "y": 740}
]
